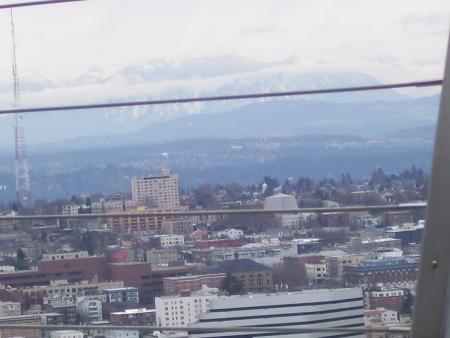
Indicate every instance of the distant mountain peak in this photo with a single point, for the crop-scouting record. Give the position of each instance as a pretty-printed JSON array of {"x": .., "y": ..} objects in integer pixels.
[{"x": 189, "y": 78}]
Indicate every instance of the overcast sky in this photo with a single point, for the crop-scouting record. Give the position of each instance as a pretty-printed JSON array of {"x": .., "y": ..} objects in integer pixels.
[
  {"x": 65, "y": 39},
  {"x": 395, "y": 41}
]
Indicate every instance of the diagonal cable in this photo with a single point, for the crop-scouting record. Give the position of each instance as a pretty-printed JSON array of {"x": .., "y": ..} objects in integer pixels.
[{"x": 225, "y": 98}]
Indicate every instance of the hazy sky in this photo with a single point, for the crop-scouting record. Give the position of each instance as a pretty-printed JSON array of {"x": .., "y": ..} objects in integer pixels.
[{"x": 395, "y": 41}]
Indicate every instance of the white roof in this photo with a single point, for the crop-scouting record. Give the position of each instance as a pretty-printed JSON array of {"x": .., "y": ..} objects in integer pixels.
[{"x": 280, "y": 202}]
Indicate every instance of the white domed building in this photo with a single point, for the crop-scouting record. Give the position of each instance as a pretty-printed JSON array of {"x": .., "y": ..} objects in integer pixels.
[{"x": 284, "y": 202}]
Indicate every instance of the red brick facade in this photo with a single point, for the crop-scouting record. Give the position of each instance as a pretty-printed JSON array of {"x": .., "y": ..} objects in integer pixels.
[{"x": 174, "y": 286}]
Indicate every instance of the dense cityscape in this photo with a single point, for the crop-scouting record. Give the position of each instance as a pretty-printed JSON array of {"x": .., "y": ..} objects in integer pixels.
[
  {"x": 119, "y": 266},
  {"x": 215, "y": 169}
]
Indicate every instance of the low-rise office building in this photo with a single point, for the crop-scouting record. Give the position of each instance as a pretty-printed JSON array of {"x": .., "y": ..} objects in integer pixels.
[
  {"x": 66, "y": 334},
  {"x": 64, "y": 255},
  {"x": 176, "y": 285},
  {"x": 23, "y": 331},
  {"x": 122, "y": 295},
  {"x": 141, "y": 317},
  {"x": 388, "y": 272},
  {"x": 161, "y": 256},
  {"x": 318, "y": 309},
  {"x": 181, "y": 310},
  {"x": 316, "y": 272},
  {"x": 335, "y": 265},
  {"x": 380, "y": 316},
  {"x": 391, "y": 299},
  {"x": 359, "y": 245},
  {"x": 255, "y": 277}
]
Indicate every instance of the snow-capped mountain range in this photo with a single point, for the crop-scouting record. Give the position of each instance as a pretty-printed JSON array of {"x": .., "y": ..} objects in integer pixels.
[{"x": 162, "y": 79}]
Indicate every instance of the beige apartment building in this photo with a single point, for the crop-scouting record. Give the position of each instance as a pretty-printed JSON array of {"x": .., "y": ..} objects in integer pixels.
[
  {"x": 335, "y": 265},
  {"x": 64, "y": 255},
  {"x": 105, "y": 206},
  {"x": 160, "y": 191},
  {"x": 161, "y": 256},
  {"x": 132, "y": 223},
  {"x": 35, "y": 294},
  {"x": 8, "y": 309}
]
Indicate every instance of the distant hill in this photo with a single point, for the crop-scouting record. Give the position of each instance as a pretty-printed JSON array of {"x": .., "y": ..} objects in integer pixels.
[
  {"x": 279, "y": 119},
  {"x": 425, "y": 133},
  {"x": 62, "y": 174}
]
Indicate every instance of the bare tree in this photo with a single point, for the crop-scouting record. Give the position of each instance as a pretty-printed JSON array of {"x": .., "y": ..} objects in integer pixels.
[{"x": 291, "y": 273}]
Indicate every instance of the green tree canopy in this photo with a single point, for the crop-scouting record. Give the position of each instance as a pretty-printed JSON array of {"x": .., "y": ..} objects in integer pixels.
[
  {"x": 232, "y": 285},
  {"x": 20, "y": 260}
]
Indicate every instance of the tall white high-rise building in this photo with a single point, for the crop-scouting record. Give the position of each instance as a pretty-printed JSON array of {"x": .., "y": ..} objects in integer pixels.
[{"x": 156, "y": 191}]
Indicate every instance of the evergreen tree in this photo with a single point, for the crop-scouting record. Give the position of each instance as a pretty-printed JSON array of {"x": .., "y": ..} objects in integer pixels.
[
  {"x": 408, "y": 304},
  {"x": 232, "y": 285},
  {"x": 44, "y": 237},
  {"x": 74, "y": 199},
  {"x": 13, "y": 206},
  {"x": 20, "y": 260},
  {"x": 287, "y": 187},
  {"x": 272, "y": 183},
  {"x": 87, "y": 243}
]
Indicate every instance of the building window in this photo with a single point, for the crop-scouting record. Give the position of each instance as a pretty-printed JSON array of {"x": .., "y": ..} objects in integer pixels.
[
  {"x": 259, "y": 280},
  {"x": 244, "y": 280}
]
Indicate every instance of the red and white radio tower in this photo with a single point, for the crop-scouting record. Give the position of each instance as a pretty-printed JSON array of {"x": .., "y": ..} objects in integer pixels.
[{"x": 23, "y": 195}]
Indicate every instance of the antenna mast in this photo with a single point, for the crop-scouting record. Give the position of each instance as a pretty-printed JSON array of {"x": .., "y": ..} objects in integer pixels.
[{"x": 23, "y": 196}]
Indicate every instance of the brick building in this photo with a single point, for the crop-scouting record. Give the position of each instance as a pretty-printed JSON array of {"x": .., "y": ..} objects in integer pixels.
[
  {"x": 255, "y": 277},
  {"x": 396, "y": 217},
  {"x": 147, "y": 278},
  {"x": 136, "y": 317},
  {"x": 391, "y": 299},
  {"x": 388, "y": 272},
  {"x": 301, "y": 260},
  {"x": 68, "y": 312},
  {"x": 23, "y": 331},
  {"x": 335, "y": 219},
  {"x": 85, "y": 268},
  {"x": 178, "y": 226},
  {"x": 71, "y": 270},
  {"x": 176, "y": 285}
]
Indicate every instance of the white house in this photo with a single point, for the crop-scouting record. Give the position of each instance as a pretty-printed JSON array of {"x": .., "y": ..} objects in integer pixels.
[
  {"x": 231, "y": 233},
  {"x": 66, "y": 334},
  {"x": 380, "y": 316}
]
